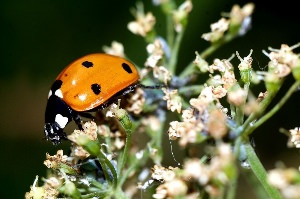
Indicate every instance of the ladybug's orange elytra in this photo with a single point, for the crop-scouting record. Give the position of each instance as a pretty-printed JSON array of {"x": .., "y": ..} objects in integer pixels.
[{"x": 92, "y": 79}]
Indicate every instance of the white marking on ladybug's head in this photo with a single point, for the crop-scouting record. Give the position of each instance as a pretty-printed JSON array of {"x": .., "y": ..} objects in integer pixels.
[
  {"x": 49, "y": 94},
  {"x": 48, "y": 129},
  {"x": 61, "y": 120},
  {"x": 55, "y": 138},
  {"x": 58, "y": 93},
  {"x": 82, "y": 97}
]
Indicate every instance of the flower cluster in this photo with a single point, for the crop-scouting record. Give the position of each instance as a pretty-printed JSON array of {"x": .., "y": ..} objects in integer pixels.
[
  {"x": 207, "y": 117},
  {"x": 171, "y": 186},
  {"x": 286, "y": 180},
  {"x": 56, "y": 160},
  {"x": 116, "y": 49},
  {"x": 294, "y": 140},
  {"x": 217, "y": 30},
  {"x": 144, "y": 22},
  {"x": 48, "y": 190},
  {"x": 173, "y": 100},
  {"x": 157, "y": 51},
  {"x": 180, "y": 15},
  {"x": 238, "y": 17},
  {"x": 283, "y": 61},
  {"x": 210, "y": 175}
]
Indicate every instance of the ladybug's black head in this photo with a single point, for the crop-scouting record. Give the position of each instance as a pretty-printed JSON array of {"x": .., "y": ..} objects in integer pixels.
[{"x": 58, "y": 114}]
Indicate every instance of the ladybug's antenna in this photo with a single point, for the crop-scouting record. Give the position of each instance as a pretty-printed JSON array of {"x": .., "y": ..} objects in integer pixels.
[{"x": 151, "y": 87}]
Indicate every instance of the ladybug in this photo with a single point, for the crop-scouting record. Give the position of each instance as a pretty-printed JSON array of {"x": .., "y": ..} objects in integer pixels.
[{"x": 88, "y": 84}]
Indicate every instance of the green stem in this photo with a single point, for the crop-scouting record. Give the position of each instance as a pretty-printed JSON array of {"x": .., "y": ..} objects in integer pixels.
[
  {"x": 273, "y": 110},
  {"x": 95, "y": 195},
  {"x": 260, "y": 172},
  {"x": 174, "y": 52},
  {"x": 125, "y": 154},
  {"x": 190, "y": 90},
  {"x": 262, "y": 107},
  {"x": 255, "y": 184},
  {"x": 237, "y": 146},
  {"x": 232, "y": 188},
  {"x": 106, "y": 166},
  {"x": 212, "y": 48},
  {"x": 233, "y": 185},
  {"x": 128, "y": 127},
  {"x": 170, "y": 30},
  {"x": 98, "y": 185},
  {"x": 227, "y": 38},
  {"x": 134, "y": 165},
  {"x": 232, "y": 111},
  {"x": 93, "y": 147}
]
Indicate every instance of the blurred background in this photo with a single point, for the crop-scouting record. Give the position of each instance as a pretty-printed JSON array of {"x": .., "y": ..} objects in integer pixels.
[{"x": 40, "y": 37}]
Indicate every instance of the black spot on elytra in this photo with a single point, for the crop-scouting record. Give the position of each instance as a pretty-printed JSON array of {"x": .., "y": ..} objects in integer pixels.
[
  {"x": 96, "y": 88},
  {"x": 87, "y": 64},
  {"x": 56, "y": 85},
  {"x": 126, "y": 67}
]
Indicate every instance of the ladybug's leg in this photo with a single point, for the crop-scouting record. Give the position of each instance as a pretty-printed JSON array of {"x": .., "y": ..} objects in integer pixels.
[
  {"x": 77, "y": 119},
  {"x": 132, "y": 88},
  {"x": 127, "y": 90},
  {"x": 87, "y": 115},
  {"x": 114, "y": 99}
]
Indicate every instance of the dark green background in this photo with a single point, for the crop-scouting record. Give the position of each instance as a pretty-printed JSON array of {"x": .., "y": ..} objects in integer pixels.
[{"x": 38, "y": 38}]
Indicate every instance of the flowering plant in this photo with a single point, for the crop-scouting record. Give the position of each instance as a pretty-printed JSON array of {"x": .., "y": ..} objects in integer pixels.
[{"x": 120, "y": 155}]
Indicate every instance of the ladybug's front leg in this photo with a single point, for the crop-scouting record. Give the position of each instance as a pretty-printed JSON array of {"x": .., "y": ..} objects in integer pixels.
[{"x": 77, "y": 119}]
